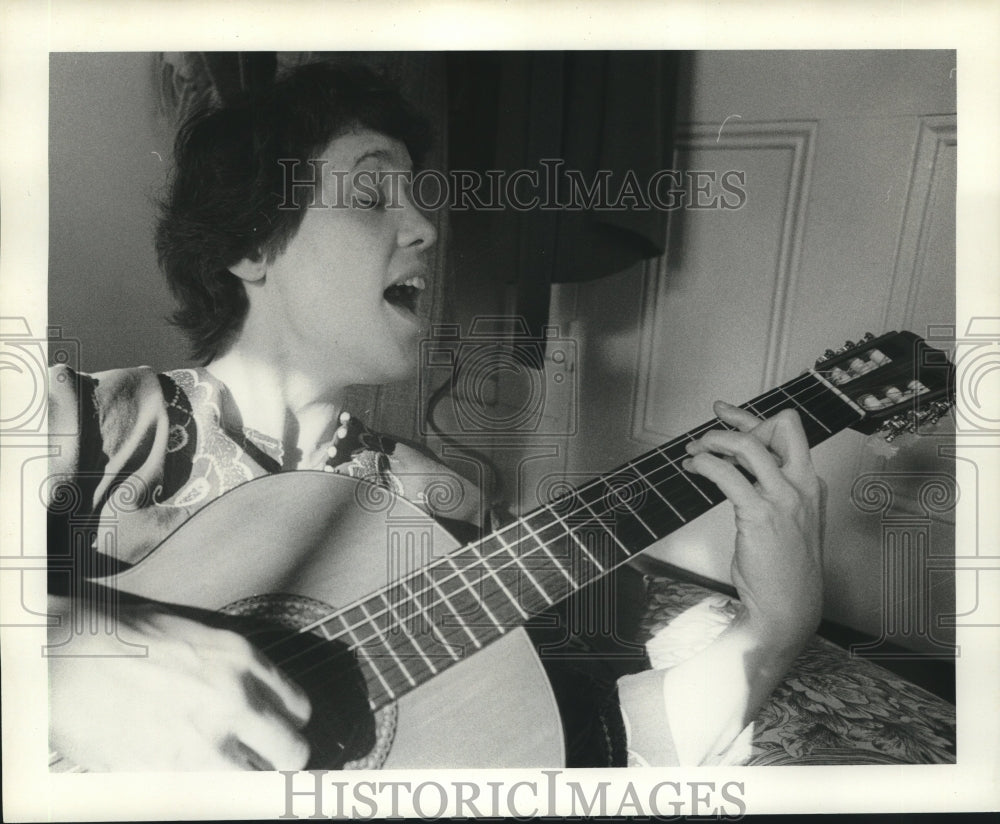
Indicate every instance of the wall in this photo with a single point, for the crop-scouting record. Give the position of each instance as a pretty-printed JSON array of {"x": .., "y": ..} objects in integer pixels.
[
  {"x": 848, "y": 227},
  {"x": 109, "y": 153}
]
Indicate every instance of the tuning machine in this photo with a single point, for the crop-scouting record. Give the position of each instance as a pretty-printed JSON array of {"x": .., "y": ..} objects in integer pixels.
[
  {"x": 848, "y": 345},
  {"x": 897, "y": 425},
  {"x": 893, "y": 427}
]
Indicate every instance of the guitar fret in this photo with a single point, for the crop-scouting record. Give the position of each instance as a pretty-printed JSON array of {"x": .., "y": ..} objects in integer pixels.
[
  {"x": 389, "y": 647},
  {"x": 481, "y": 602},
  {"x": 524, "y": 569},
  {"x": 545, "y": 549},
  {"x": 465, "y": 596},
  {"x": 570, "y": 552},
  {"x": 660, "y": 495},
  {"x": 838, "y": 415},
  {"x": 577, "y": 541},
  {"x": 503, "y": 587},
  {"x": 406, "y": 631},
  {"x": 600, "y": 522},
  {"x": 451, "y": 608},
  {"x": 364, "y": 654},
  {"x": 803, "y": 409},
  {"x": 624, "y": 502},
  {"x": 682, "y": 474}
]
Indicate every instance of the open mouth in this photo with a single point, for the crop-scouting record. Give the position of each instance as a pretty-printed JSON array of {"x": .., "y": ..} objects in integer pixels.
[{"x": 405, "y": 293}]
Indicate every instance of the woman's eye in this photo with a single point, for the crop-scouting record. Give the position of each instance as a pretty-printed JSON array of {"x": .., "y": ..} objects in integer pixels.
[
  {"x": 365, "y": 201},
  {"x": 370, "y": 190}
]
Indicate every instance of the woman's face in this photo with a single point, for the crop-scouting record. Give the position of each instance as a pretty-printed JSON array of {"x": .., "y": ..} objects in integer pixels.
[{"x": 324, "y": 301}]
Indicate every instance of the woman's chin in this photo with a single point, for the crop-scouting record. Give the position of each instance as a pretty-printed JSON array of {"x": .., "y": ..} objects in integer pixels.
[{"x": 402, "y": 367}]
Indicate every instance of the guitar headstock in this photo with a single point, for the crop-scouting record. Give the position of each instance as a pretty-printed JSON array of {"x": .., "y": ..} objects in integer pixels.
[{"x": 899, "y": 381}]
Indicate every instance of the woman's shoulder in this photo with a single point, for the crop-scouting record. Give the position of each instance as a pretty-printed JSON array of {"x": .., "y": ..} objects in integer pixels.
[
  {"x": 102, "y": 409},
  {"x": 111, "y": 394}
]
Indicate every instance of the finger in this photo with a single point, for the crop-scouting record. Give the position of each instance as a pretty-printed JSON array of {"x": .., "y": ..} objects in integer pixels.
[
  {"x": 262, "y": 698},
  {"x": 748, "y": 451},
  {"x": 284, "y": 692},
  {"x": 240, "y": 756},
  {"x": 783, "y": 433},
  {"x": 725, "y": 476},
  {"x": 735, "y": 416},
  {"x": 272, "y": 739},
  {"x": 787, "y": 439},
  {"x": 204, "y": 753}
]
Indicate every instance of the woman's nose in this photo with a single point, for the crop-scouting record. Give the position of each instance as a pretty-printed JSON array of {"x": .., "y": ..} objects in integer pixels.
[{"x": 416, "y": 229}]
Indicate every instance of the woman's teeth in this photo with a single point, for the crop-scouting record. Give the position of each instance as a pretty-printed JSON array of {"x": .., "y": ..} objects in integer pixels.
[{"x": 405, "y": 293}]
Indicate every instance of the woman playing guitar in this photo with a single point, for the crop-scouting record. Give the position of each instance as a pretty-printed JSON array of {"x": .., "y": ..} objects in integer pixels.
[{"x": 287, "y": 305}]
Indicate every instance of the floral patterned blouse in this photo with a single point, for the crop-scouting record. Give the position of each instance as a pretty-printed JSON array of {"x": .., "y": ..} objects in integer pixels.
[{"x": 146, "y": 451}]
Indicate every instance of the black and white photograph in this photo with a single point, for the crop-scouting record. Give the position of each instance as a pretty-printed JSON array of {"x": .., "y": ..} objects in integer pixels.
[{"x": 496, "y": 428}]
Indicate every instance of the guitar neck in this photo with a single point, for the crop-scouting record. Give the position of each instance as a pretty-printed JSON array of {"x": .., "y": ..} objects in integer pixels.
[{"x": 435, "y": 616}]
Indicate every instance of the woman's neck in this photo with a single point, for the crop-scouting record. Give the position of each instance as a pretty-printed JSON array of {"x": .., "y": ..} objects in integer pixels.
[{"x": 282, "y": 402}]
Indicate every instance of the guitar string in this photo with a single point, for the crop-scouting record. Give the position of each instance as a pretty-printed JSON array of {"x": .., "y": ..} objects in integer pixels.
[
  {"x": 515, "y": 559},
  {"x": 631, "y": 465},
  {"x": 500, "y": 597},
  {"x": 504, "y": 599},
  {"x": 380, "y": 635}
]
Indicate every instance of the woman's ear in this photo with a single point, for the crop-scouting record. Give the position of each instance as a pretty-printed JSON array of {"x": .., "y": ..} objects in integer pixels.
[{"x": 250, "y": 271}]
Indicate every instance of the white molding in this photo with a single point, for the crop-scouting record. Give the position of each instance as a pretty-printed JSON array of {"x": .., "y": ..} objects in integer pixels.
[
  {"x": 935, "y": 132},
  {"x": 798, "y": 137}
]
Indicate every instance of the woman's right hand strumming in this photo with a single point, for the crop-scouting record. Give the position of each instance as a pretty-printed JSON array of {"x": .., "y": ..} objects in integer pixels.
[{"x": 199, "y": 698}]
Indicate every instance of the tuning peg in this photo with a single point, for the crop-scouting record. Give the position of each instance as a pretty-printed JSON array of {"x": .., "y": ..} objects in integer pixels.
[
  {"x": 935, "y": 411},
  {"x": 839, "y": 376},
  {"x": 868, "y": 336},
  {"x": 829, "y": 353},
  {"x": 849, "y": 344},
  {"x": 892, "y": 428},
  {"x": 896, "y": 426}
]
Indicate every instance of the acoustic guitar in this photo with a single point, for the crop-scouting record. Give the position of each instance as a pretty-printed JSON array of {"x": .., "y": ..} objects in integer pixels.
[{"x": 410, "y": 645}]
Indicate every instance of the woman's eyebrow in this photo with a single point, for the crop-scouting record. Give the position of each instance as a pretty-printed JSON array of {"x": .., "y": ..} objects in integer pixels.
[{"x": 377, "y": 154}]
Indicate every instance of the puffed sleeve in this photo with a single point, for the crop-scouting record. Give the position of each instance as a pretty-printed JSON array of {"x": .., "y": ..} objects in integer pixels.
[
  {"x": 105, "y": 429},
  {"x": 645, "y": 708}
]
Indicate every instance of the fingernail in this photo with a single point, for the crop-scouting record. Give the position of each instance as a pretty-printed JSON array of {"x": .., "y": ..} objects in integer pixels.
[
  {"x": 689, "y": 447},
  {"x": 686, "y": 464}
]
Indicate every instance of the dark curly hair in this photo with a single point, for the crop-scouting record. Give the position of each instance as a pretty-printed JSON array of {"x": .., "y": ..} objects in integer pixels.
[{"x": 222, "y": 203}]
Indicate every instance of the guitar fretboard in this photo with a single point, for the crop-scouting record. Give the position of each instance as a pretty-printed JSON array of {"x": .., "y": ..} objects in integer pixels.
[{"x": 435, "y": 616}]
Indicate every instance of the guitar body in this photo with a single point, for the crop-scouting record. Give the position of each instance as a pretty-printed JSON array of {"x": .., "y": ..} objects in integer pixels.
[{"x": 326, "y": 536}]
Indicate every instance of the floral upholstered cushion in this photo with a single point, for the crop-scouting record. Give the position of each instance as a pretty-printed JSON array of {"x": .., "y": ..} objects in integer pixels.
[{"x": 831, "y": 708}]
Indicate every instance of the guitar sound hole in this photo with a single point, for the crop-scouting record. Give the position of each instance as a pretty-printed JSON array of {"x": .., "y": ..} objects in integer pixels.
[{"x": 342, "y": 727}]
